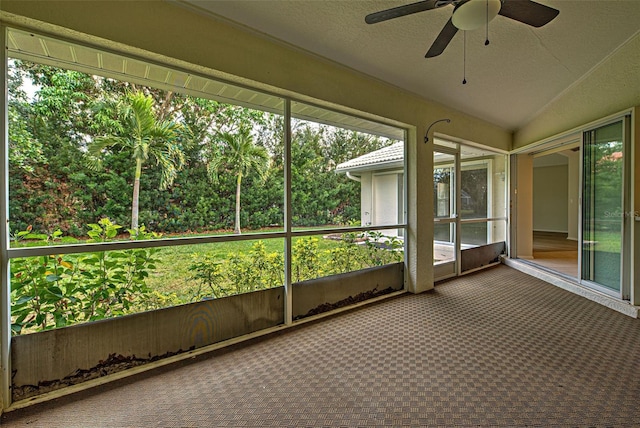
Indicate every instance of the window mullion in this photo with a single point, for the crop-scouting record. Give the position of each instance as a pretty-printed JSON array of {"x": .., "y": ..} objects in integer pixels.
[
  {"x": 5, "y": 290},
  {"x": 288, "y": 288}
]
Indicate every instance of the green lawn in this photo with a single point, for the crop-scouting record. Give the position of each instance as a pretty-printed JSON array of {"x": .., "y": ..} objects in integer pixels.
[
  {"x": 184, "y": 273},
  {"x": 172, "y": 274}
]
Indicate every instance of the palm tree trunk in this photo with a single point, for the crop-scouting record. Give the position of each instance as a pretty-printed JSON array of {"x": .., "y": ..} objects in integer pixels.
[
  {"x": 237, "y": 227},
  {"x": 136, "y": 195}
]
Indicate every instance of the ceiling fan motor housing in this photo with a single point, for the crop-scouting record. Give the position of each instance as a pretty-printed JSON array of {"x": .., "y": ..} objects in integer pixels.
[
  {"x": 473, "y": 14},
  {"x": 470, "y": 15}
]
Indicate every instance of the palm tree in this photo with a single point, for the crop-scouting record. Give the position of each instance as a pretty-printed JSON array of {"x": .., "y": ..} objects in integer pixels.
[
  {"x": 147, "y": 139},
  {"x": 238, "y": 155}
]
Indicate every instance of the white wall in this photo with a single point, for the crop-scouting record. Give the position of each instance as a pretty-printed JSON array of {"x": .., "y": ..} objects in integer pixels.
[
  {"x": 379, "y": 199},
  {"x": 385, "y": 199},
  {"x": 550, "y": 198},
  {"x": 523, "y": 195},
  {"x": 366, "y": 203}
]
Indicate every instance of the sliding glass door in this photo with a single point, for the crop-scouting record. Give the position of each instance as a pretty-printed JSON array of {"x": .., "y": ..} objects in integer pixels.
[{"x": 604, "y": 208}]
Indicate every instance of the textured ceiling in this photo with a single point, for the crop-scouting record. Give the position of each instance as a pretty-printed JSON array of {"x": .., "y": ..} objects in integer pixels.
[{"x": 509, "y": 81}]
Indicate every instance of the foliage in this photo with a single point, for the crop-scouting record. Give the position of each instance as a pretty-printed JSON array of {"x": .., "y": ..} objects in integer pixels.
[
  {"x": 53, "y": 185},
  {"x": 382, "y": 249},
  {"x": 58, "y": 290},
  {"x": 140, "y": 133},
  {"x": 305, "y": 259},
  {"x": 346, "y": 257},
  {"x": 207, "y": 152},
  {"x": 237, "y": 155},
  {"x": 24, "y": 150},
  {"x": 241, "y": 273},
  {"x": 207, "y": 273},
  {"x": 257, "y": 269}
]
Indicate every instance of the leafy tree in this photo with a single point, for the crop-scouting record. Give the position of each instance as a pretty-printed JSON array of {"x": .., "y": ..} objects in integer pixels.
[
  {"x": 52, "y": 185},
  {"x": 146, "y": 138},
  {"x": 238, "y": 155},
  {"x": 46, "y": 131},
  {"x": 24, "y": 150}
]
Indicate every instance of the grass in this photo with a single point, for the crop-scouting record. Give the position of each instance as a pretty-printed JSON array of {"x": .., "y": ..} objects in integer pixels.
[
  {"x": 607, "y": 241},
  {"x": 174, "y": 276}
]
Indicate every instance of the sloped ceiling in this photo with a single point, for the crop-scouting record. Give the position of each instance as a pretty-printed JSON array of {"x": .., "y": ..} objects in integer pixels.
[{"x": 521, "y": 71}]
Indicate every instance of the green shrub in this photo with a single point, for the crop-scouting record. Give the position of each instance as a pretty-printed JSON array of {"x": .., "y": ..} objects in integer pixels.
[
  {"x": 240, "y": 273},
  {"x": 59, "y": 290}
]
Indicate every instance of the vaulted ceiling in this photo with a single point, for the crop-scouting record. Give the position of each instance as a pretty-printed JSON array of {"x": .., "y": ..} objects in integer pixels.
[{"x": 509, "y": 81}]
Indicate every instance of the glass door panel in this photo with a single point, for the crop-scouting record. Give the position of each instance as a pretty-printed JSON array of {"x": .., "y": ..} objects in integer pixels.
[
  {"x": 469, "y": 208},
  {"x": 473, "y": 192},
  {"x": 444, "y": 244},
  {"x": 445, "y": 211},
  {"x": 603, "y": 206}
]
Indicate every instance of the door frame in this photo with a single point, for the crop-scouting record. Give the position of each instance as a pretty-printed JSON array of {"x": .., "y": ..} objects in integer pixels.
[
  {"x": 626, "y": 227},
  {"x": 629, "y": 290}
]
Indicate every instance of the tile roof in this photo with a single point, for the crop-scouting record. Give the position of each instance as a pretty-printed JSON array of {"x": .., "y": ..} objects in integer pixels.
[{"x": 390, "y": 154}]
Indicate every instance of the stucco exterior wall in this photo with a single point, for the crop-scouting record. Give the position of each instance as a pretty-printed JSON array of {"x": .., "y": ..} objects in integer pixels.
[{"x": 366, "y": 203}]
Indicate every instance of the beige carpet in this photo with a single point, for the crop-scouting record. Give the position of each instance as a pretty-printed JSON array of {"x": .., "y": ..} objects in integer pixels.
[{"x": 496, "y": 348}]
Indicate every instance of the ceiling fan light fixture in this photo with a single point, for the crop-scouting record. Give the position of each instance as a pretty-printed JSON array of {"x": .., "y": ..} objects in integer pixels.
[{"x": 474, "y": 14}]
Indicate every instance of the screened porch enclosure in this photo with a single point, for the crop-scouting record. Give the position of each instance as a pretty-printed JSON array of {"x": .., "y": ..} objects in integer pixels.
[
  {"x": 469, "y": 207},
  {"x": 274, "y": 242}
]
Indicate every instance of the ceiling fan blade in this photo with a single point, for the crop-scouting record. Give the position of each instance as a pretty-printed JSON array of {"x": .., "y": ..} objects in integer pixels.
[
  {"x": 399, "y": 11},
  {"x": 442, "y": 41},
  {"x": 528, "y": 12}
]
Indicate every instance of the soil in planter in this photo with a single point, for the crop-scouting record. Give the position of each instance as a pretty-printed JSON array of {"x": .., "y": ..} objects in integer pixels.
[
  {"x": 113, "y": 364},
  {"x": 351, "y": 300}
]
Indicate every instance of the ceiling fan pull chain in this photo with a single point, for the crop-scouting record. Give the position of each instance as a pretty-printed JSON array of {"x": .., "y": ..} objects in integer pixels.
[
  {"x": 464, "y": 57},
  {"x": 486, "y": 42}
]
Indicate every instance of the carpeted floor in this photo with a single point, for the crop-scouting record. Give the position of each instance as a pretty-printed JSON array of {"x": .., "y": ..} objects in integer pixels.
[{"x": 495, "y": 348}]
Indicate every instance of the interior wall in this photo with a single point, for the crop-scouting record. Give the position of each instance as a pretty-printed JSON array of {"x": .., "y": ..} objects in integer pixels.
[
  {"x": 550, "y": 198},
  {"x": 524, "y": 206}
]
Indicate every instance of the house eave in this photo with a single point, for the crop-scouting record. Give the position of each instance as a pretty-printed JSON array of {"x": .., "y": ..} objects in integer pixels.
[{"x": 397, "y": 163}]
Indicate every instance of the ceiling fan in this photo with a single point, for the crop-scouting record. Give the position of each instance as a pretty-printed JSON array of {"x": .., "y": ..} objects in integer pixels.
[{"x": 469, "y": 15}]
